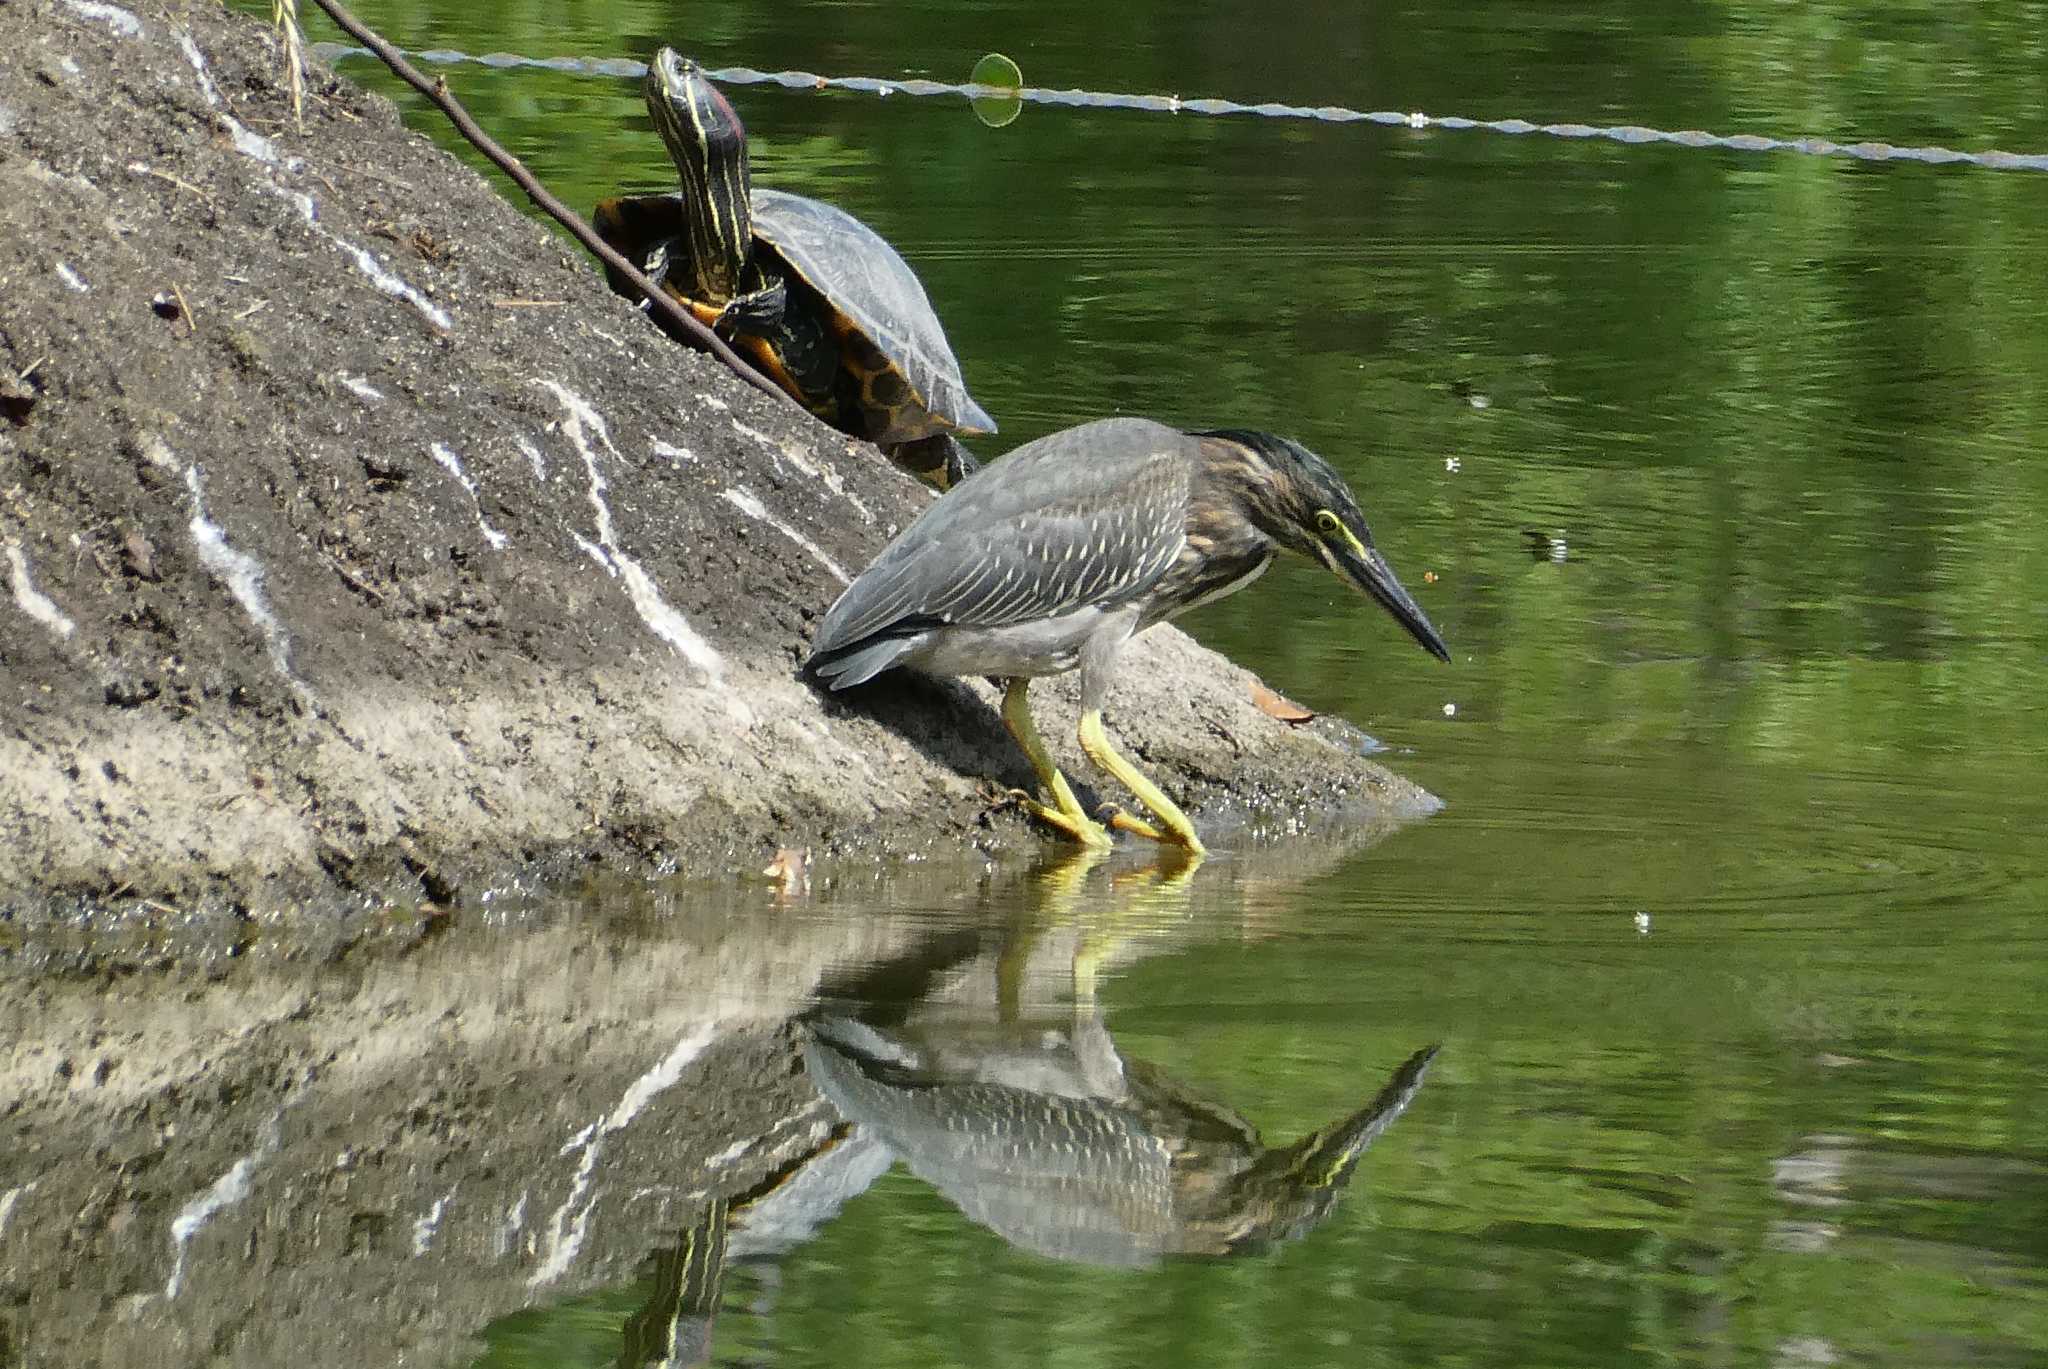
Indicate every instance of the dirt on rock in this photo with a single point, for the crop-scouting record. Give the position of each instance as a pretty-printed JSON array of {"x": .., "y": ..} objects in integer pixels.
[{"x": 359, "y": 544}]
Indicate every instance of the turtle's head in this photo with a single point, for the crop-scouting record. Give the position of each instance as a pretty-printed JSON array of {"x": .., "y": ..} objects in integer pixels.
[{"x": 709, "y": 146}]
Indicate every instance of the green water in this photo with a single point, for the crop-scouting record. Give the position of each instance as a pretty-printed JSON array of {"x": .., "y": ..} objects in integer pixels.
[{"x": 1783, "y": 697}]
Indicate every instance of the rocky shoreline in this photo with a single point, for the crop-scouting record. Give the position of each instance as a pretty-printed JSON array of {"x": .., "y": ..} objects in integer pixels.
[{"x": 360, "y": 546}]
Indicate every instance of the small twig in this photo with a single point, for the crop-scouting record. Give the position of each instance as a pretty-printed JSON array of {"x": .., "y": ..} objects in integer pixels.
[
  {"x": 30, "y": 369},
  {"x": 257, "y": 307},
  {"x": 336, "y": 107},
  {"x": 166, "y": 909},
  {"x": 528, "y": 303},
  {"x": 141, "y": 169},
  {"x": 191, "y": 324},
  {"x": 355, "y": 581},
  {"x": 658, "y": 300}
]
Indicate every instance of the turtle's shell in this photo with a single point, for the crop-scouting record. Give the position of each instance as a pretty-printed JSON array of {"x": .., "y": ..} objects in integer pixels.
[{"x": 910, "y": 379}]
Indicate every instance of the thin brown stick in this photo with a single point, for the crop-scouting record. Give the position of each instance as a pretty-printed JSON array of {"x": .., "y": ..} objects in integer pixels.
[
  {"x": 191, "y": 324},
  {"x": 657, "y": 298},
  {"x": 141, "y": 169}
]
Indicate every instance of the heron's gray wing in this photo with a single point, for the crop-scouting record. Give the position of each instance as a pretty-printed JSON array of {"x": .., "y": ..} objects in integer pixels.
[{"x": 1090, "y": 515}]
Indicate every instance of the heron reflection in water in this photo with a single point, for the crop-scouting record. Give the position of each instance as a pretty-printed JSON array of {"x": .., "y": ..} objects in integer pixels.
[
  {"x": 1038, "y": 1127},
  {"x": 955, "y": 1061},
  {"x": 1116, "y": 1175}
]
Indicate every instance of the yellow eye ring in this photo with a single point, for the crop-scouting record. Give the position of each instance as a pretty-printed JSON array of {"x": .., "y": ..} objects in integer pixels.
[{"x": 1328, "y": 523}]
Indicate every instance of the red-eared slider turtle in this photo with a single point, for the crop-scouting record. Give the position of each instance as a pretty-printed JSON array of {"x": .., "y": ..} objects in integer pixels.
[{"x": 804, "y": 290}]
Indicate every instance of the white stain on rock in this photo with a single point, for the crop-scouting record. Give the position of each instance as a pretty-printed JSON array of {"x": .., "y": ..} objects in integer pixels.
[
  {"x": 581, "y": 423},
  {"x": 37, "y": 605},
  {"x": 679, "y": 455},
  {"x": 774, "y": 447},
  {"x": 243, "y": 576},
  {"x": 453, "y": 465},
  {"x": 120, "y": 20},
  {"x": 514, "y": 1223},
  {"x": 261, "y": 150},
  {"x": 366, "y": 262},
  {"x": 794, "y": 454},
  {"x": 229, "y": 1189},
  {"x": 729, "y": 1154},
  {"x": 362, "y": 389},
  {"x": 71, "y": 277},
  {"x": 534, "y": 459},
  {"x": 747, "y": 503},
  {"x": 424, "y": 1230},
  {"x": 567, "y": 1227},
  {"x": 10, "y": 1198},
  {"x": 829, "y": 478},
  {"x": 247, "y": 143}
]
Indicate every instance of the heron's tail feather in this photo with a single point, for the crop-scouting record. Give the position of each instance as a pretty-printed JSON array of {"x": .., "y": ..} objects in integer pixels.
[{"x": 857, "y": 662}]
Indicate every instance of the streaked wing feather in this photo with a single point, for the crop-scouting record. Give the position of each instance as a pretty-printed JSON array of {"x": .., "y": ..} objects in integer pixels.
[{"x": 1091, "y": 515}]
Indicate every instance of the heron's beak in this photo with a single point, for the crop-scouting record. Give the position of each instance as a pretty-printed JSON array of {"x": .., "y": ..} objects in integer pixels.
[{"x": 1364, "y": 567}]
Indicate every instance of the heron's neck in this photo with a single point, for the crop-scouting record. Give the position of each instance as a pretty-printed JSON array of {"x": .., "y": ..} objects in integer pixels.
[{"x": 1224, "y": 552}]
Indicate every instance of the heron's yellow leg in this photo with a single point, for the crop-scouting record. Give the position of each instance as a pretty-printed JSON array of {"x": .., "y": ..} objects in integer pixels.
[
  {"x": 1067, "y": 814},
  {"x": 1179, "y": 831},
  {"x": 1141, "y": 903},
  {"x": 1058, "y": 887}
]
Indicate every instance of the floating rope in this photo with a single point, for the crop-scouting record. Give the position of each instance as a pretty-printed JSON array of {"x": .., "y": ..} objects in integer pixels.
[{"x": 1174, "y": 104}]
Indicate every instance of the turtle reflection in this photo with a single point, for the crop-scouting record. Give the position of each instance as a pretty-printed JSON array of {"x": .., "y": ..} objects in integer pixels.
[{"x": 674, "y": 1326}]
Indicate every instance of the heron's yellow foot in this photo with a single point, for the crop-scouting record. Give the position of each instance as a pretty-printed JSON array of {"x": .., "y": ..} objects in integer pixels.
[
  {"x": 1065, "y": 812},
  {"x": 1091, "y": 835},
  {"x": 1113, "y": 815},
  {"x": 1178, "y": 830},
  {"x": 1076, "y": 824}
]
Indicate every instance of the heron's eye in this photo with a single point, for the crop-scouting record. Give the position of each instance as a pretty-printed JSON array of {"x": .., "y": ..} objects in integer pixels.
[{"x": 1328, "y": 523}]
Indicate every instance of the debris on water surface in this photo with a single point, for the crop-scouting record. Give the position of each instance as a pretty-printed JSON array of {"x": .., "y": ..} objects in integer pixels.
[{"x": 791, "y": 871}]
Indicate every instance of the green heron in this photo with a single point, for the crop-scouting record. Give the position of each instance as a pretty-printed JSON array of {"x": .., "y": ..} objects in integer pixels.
[{"x": 1059, "y": 553}]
